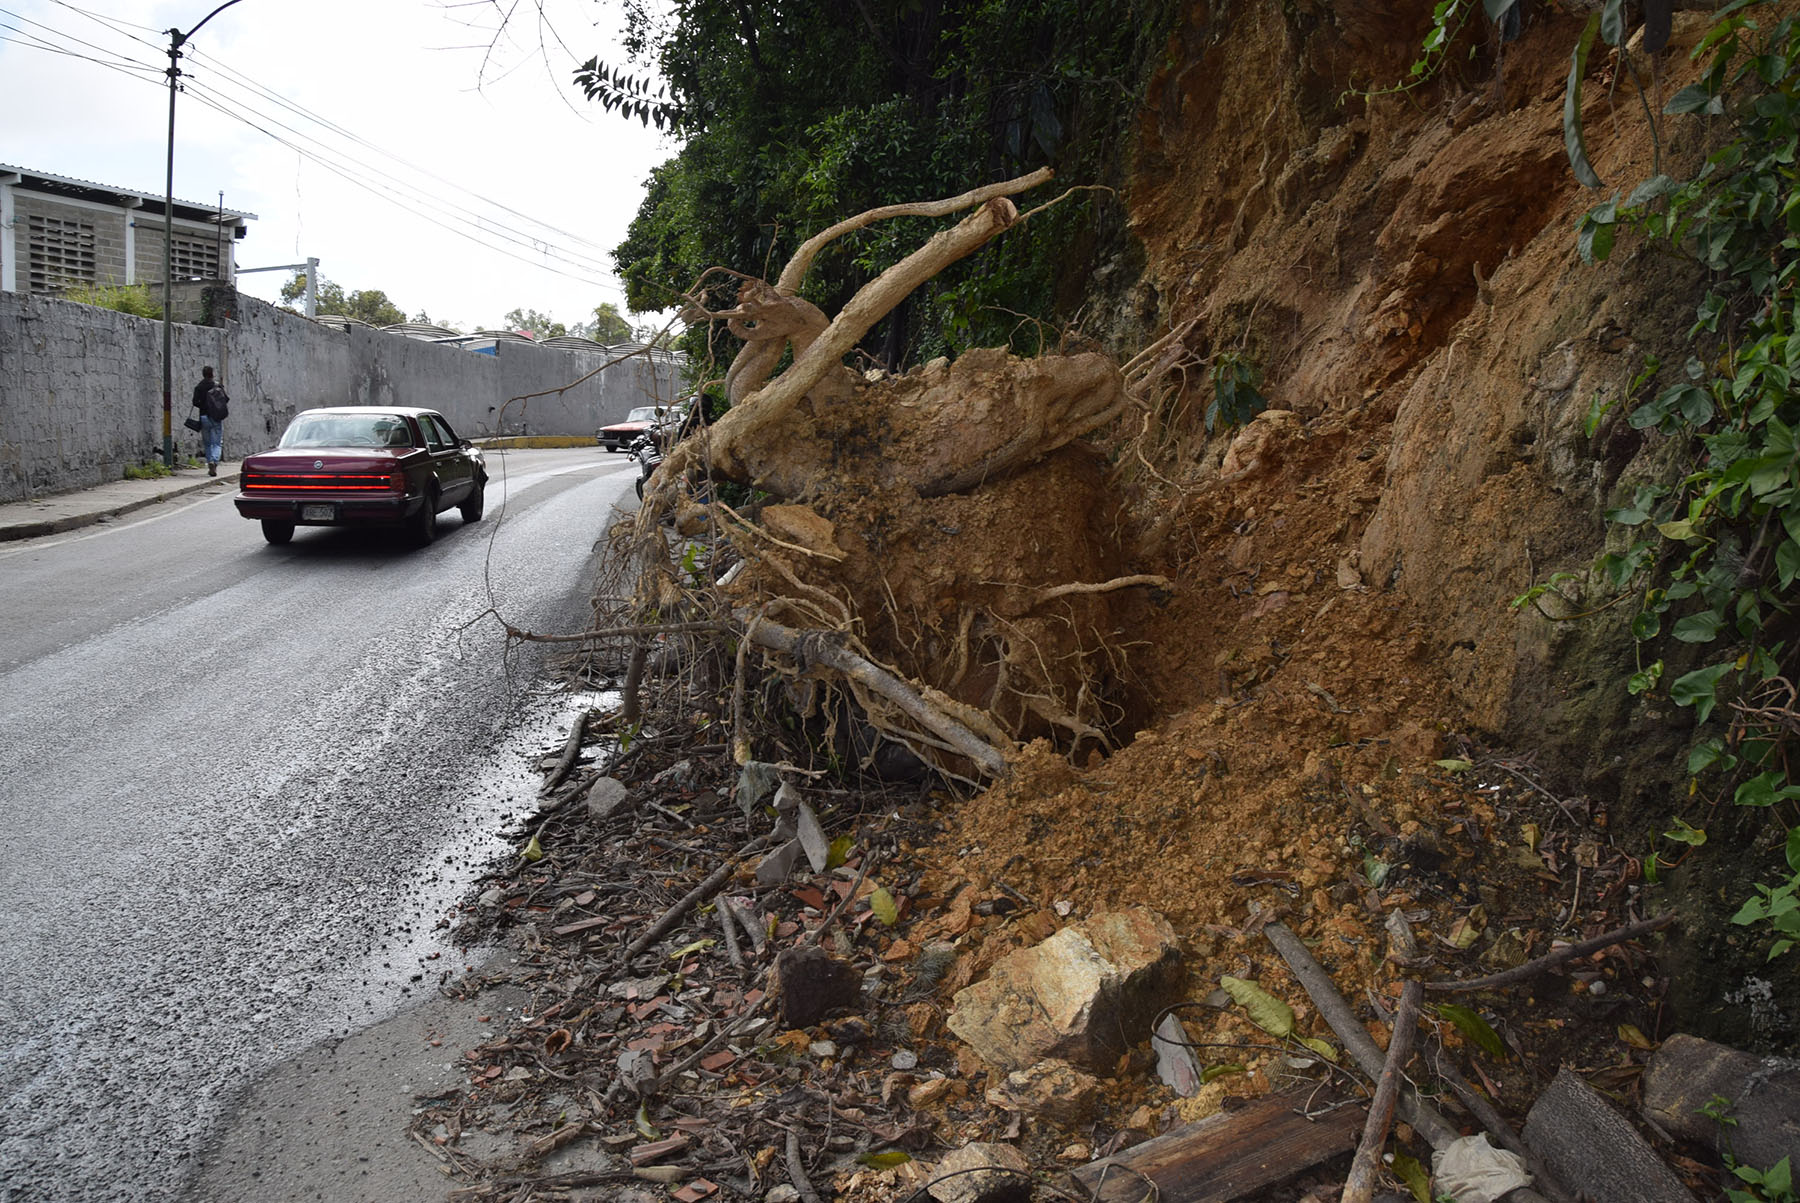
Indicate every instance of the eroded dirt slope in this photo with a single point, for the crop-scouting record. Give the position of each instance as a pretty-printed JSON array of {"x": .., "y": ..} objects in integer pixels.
[{"x": 1403, "y": 271}]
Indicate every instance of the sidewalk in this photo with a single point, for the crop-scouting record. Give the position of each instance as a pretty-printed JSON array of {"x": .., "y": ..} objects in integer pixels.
[{"x": 84, "y": 507}]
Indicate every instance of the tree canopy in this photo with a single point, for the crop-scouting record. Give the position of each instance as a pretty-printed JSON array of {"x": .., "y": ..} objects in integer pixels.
[
  {"x": 538, "y": 325},
  {"x": 608, "y": 326},
  {"x": 797, "y": 115},
  {"x": 369, "y": 305}
]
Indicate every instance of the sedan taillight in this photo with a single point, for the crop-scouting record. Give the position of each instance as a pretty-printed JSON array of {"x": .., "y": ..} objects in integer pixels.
[{"x": 397, "y": 482}]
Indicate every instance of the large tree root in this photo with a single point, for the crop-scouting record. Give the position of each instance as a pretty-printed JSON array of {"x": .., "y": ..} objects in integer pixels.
[{"x": 821, "y": 648}]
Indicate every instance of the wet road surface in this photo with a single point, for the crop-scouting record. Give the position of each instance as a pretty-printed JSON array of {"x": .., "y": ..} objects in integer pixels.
[{"x": 239, "y": 787}]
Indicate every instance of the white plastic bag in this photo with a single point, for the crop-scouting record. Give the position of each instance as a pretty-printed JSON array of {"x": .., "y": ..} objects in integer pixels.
[{"x": 1470, "y": 1170}]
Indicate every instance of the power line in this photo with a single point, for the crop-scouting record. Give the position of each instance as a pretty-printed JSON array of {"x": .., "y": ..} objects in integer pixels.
[
  {"x": 218, "y": 106},
  {"x": 301, "y": 111},
  {"x": 485, "y": 226},
  {"x": 37, "y": 43},
  {"x": 387, "y": 187},
  {"x": 429, "y": 198}
]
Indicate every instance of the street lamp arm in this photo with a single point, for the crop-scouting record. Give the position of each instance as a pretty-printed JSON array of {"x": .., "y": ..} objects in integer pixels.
[{"x": 179, "y": 38}]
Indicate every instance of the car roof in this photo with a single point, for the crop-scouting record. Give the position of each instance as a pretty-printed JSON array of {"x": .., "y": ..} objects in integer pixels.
[{"x": 411, "y": 411}]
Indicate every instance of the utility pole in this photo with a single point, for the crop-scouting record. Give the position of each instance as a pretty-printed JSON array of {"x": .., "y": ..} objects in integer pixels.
[{"x": 177, "y": 39}]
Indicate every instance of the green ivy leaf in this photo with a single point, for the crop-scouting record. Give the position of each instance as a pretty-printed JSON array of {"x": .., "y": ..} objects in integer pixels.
[
  {"x": 1704, "y": 755},
  {"x": 1475, "y": 1029},
  {"x": 1654, "y": 188},
  {"x": 1787, "y": 562},
  {"x": 1699, "y": 689},
  {"x": 1573, "y": 140},
  {"x": 1612, "y": 22},
  {"x": 1410, "y": 1171},
  {"x": 1793, "y": 849},
  {"x": 1685, "y": 833},
  {"x": 1703, "y": 627},
  {"x": 1764, "y": 789},
  {"x": 1266, "y": 1011},
  {"x": 1695, "y": 98}
]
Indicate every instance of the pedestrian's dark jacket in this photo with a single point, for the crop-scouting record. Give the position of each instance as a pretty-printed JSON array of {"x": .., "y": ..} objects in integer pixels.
[{"x": 206, "y": 385}]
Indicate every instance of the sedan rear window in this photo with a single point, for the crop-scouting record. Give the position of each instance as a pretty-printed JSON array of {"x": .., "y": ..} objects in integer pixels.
[{"x": 348, "y": 430}]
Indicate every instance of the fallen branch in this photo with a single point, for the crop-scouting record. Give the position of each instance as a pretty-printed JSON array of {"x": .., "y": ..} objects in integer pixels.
[
  {"x": 1359, "y": 1187},
  {"x": 1560, "y": 956},
  {"x": 693, "y": 898},
  {"x": 758, "y": 937},
  {"x": 665, "y": 628},
  {"x": 728, "y": 928},
  {"x": 819, "y": 647},
  {"x": 1424, "y": 1118},
  {"x": 571, "y": 752},
  {"x": 797, "y": 1169}
]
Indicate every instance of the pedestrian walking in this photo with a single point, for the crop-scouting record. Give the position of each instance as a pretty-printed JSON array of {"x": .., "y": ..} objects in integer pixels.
[{"x": 210, "y": 399}]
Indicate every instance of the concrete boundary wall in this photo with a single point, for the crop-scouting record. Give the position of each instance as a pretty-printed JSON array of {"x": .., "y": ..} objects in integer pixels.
[{"x": 81, "y": 387}]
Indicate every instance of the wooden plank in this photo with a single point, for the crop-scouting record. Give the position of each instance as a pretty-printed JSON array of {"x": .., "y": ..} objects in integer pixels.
[
  {"x": 1594, "y": 1151},
  {"x": 1225, "y": 1156}
]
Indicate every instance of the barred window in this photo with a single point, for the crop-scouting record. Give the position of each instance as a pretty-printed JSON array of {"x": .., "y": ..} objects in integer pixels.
[
  {"x": 192, "y": 259},
  {"x": 62, "y": 253}
]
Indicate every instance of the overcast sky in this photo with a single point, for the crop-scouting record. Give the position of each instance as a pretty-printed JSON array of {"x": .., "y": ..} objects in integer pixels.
[{"x": 461, "y": 176}]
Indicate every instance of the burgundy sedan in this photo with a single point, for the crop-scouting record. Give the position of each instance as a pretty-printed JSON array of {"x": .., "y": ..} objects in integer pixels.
[{"x": 363, "y": 466}]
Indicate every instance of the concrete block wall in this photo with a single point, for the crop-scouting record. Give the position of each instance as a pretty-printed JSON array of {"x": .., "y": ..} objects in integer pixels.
[
  {"x": 81, "y": 387},
  {"x": 107, "y": 225}
]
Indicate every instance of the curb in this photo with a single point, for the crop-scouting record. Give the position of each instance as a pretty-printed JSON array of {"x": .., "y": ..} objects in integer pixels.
[
  {"x": 522, "y": 442},
  {"x": 37, "y": 528}
]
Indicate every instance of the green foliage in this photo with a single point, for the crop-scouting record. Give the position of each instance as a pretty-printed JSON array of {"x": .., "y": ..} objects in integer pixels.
[
  {"x": 1448, "y": 20},
  {"x": 1235, "y": 399},
  {"x": 150, "y": 469},
  {"x": 1773, "y": 1185},
  {"x": 608, "y": 326},
  {"x": 796, "y": 116},
  {"x": 538, "y": 325},
  {"x": 369, "y": 305},
  {"x": 1713, "y": 559},
  {"x": 134, "y": 299}
]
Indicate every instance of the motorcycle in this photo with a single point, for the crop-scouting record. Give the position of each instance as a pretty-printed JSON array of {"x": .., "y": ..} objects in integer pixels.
[{"x": 648, "y": 454}]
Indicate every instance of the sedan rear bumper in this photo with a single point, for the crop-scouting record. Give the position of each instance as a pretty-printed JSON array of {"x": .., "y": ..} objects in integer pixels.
[{"x": 328, "y": 511}]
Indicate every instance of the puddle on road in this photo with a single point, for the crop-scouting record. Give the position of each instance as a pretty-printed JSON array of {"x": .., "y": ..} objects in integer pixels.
[{"x": 500, "y": 797}]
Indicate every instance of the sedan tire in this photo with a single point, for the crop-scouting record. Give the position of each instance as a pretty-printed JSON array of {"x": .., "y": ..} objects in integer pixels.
[
  {"x": 277, "y": 532},
  {"x": 421, "y": 528},
  {"x": 475, "y": 503}
]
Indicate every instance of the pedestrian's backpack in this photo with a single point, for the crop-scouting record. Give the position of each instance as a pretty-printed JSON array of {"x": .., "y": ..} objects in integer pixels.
[{"x": 218, "y": 404}]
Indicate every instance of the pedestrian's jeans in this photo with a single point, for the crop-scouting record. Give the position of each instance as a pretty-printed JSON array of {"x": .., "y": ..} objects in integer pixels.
[{"x": 210, "y": 431}]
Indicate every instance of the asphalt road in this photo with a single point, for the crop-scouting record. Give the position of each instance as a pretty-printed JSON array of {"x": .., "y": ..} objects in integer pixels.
[{"x": 239, "y": 787}]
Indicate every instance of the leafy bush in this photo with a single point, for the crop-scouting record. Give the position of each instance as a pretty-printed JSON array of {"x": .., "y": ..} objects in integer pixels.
[
  {"x": 1713, "y": 558},
  {"x": 134, "y": 299},
  {"x": 796, "y": 117}
]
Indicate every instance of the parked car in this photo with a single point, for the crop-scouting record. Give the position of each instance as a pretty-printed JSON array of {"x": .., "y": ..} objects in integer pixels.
[
  {"x": 363, "y": 466},
  {"x": 645, "y": 419}
]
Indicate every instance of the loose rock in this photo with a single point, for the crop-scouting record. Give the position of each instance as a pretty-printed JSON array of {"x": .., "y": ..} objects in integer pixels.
[{"x": 1073, "y": 995}]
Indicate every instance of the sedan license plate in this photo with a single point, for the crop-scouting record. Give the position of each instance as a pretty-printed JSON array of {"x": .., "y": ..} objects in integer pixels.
[{"x": 318, "y": 513}]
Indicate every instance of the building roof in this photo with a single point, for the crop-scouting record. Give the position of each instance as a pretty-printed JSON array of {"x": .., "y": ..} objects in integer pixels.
[
  {"x": 420, "y": 330},
  {"x": 59, "y": 185}
]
